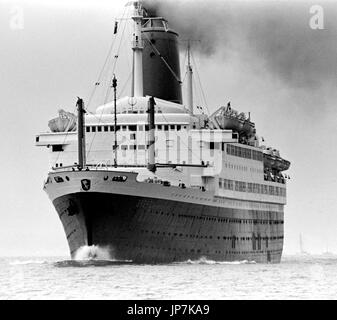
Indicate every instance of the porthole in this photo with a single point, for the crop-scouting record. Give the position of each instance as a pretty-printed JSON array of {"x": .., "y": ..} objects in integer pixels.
[{"x": 58, "y": 179}]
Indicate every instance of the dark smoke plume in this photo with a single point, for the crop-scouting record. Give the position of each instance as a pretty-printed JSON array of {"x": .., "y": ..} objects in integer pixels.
[{"x": 277, "y": 32}]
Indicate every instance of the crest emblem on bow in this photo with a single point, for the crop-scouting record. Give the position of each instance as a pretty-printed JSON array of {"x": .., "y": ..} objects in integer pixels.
[{"x": 85, "y": 184}]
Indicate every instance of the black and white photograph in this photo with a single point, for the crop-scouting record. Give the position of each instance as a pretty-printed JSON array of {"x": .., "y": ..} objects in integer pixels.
[{"x": 168, "y": 150}]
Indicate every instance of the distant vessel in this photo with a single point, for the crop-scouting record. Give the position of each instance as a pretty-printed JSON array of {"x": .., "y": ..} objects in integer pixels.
[
  {"x": 153, "y": 180},
  {"x": 302, "y": 251},
  {"x": 328, "y": 253}
]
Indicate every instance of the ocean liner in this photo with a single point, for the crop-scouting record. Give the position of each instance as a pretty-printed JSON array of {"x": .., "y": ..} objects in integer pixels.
[{"x": 155, "y": 180}]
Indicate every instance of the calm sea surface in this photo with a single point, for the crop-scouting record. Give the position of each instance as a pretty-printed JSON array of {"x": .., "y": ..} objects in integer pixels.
[{"x": 297, "y": 277}]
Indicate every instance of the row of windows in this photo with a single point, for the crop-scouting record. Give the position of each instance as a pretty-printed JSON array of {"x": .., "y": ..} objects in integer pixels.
[
  {"x": 234, "y": 220},
  {"x": 132, "y": 147},
  {"x": 236, "y": 166},
  {"x": 202, "y": 251},
  {"x": 255, "y": 251},
  {"x": 242, "y": 186},
  {"x": 256, "y": 240},
  {"x": 224, "y": 220},
  {"x": 134, "y": 128},
  {"x": 242, "y": 168},
  {"x": 198, "y": 236},
  {"x": 244, "y": 152},
  {"x": 138, "y": 111}
]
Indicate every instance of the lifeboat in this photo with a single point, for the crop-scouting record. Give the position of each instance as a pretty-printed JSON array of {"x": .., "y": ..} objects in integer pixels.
[
  {"x": 274, "y": 162},
  {"x": 229, "y": 123},
  {"x": 248, "y": 129},
  {"x": 65, "y": 122},
  {"x": 229, "y": 119}
]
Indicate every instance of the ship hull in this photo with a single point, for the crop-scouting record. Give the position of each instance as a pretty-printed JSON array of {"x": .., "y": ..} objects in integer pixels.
[{"x": 153, "y": 230}]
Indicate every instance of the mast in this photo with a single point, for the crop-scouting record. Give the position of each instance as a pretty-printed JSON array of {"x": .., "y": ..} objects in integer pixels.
[
  {"x": 114, "y": 85},
  {"x": 189, "y": 79},
  {"x": 301, "y": 244},
  {"x": 137, "y": 47},
  {"x": 151, "y": 137},
  {"x": 80, "y": 133},
  {"x": 133, "y": 75}
]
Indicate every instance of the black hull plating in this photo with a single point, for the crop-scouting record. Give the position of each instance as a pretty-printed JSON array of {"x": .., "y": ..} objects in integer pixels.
[{"x": 147, "y": 230}]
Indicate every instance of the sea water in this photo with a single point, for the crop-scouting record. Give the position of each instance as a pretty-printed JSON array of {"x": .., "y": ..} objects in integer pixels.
[{"x": 97, "y": 276}]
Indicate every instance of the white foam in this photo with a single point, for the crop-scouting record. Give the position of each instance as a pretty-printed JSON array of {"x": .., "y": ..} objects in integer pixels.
[
  {"x": 204, "y": 260},
  {"x": 93, "y": 253},
  {"x": 18, "y": 262}
]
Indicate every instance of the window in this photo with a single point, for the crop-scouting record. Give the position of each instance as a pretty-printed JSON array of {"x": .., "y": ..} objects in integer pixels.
[
  {"x": 159, "y": 127},
  {"x": 244, "y": 153},
  {"x": 250, "y": 187},
  {"x": 132, "y": 136},
  {"x": 284, "y": 193},
  {"x": 99, "y": 128},
  {"x": 141, "y": 147},
  {"x": 277, "y": 192},
  {"x": 124, "y": 147},
  {"x": 133, "y": 128},
  {"x": 178, "y": 127},
  {"x": 57, "y": 148},
  {"x": 141, "y": 128},
  {"x": 231, "y": 184},
  {"x": 58, "y": 179},
  {"x": 93, "y": 129},
  {"x": 172, "y": 127},
  {"x": 239, "y": 152},
  {"x": 133, "y": 147},
  {"x": 106, "y": 128},
  {"x": 124, "y": 128},
  {"x": 87, "y": 129},
  {"x": 228, "y": 184},
  {"x": 166, "y": 128},
  {"x": 230, "y": 150},
  {"x": 119, "y": 178}
]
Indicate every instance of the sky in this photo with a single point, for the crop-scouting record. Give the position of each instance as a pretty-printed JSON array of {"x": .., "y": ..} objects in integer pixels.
[{"x": 263, "y": 56}]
